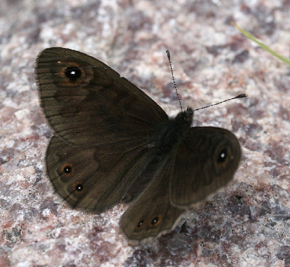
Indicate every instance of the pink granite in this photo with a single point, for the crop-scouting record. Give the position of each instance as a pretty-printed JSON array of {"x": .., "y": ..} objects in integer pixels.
[{"x": 248, "y": 224}]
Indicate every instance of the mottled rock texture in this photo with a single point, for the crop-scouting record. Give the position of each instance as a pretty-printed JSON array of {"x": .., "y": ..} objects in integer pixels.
[{"x": 248, "y": 224}]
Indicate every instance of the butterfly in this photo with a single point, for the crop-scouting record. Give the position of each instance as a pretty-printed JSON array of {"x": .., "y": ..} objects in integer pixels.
[{"x": 112, "y": 143}]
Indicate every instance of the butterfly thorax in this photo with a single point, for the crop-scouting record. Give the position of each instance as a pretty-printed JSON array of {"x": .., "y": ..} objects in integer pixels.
[{"x": 172, "y": 131}]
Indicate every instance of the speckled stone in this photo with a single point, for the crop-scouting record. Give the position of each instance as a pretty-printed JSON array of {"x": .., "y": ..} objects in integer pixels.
[{"x": 247, "y": 224}]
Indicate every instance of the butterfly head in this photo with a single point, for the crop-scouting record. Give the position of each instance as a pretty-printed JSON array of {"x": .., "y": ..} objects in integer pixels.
[{"x": 185, "y": 117}]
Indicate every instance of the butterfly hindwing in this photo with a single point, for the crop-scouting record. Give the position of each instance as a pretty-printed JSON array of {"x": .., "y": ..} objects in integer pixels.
[
  {"x": 96, "y": 177},
  {"x": 152, "y": 214}
]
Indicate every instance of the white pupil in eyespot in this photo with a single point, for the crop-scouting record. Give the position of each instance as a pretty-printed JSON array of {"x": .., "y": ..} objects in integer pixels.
[
  {"x": 223, "y": 155},
  {"x": 72, "y": 72}
]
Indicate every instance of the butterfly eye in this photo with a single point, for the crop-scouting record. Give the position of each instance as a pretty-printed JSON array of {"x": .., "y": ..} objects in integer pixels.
[
  {"x": 139, "y": 225},
  {"x": 67, "y": 169},
  {"x": 78, "y": 187},
  {"x": 73, "y": 73},
  {"x": 155, "y": 220}
]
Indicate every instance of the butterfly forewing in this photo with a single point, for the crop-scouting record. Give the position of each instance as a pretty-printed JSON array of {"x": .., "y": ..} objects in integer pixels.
[
  {"x": 88, "y": 103},
  {"x": 206, "y": 160}
]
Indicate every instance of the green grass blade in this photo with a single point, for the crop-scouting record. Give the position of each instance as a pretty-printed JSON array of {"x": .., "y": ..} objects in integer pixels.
[{"x": 250, "y": 36}]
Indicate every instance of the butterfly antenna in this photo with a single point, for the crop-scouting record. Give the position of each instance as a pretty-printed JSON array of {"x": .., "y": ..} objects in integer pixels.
[
  {"x": 174, "y": 83},
  {"x": 239, "y": 96}
]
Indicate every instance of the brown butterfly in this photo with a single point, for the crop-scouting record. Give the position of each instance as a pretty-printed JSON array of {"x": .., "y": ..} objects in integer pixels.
[{"x": 113, "y": 143}]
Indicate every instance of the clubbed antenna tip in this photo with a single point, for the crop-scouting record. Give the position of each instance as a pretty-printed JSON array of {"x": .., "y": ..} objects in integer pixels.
[
  {"x": 238, "y": 96},
  {"x": 241, "y": 96},
  {"x": 168, "y": 54}
]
